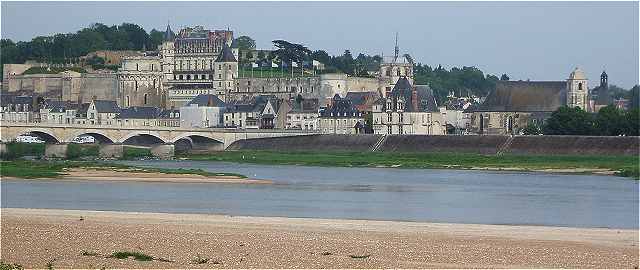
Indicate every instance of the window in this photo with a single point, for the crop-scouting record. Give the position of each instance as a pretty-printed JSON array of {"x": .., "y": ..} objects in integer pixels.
[
  {"x": 219, "y": 76},
  {"x": 145, "y": 99},
  {"x": 579, "y": 86},
  {"x": 398, "y": 72},
  {"x": 389, "y": 118},
  {"x": 389, "y": 130}
]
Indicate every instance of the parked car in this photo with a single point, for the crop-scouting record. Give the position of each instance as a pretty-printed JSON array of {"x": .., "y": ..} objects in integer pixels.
[
  {"x": 84, "y": 139},
  {"x": 28, "y": 139}
]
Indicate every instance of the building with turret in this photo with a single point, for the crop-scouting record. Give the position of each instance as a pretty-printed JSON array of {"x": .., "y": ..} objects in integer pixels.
[{"x": 515, "y": 104}]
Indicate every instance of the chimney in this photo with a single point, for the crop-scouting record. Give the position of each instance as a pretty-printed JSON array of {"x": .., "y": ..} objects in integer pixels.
[
  {"x": 94, "y": 97},
  {"x": 414, "y": 99}
]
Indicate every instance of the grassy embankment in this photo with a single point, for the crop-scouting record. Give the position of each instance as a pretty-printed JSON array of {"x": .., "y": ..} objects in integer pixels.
[
  {"x": 623, "y": 165},
  {"x": 54, "y": 169}
]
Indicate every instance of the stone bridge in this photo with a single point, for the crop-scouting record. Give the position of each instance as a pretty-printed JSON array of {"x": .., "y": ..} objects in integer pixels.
[{"x": 162, "y": 139}]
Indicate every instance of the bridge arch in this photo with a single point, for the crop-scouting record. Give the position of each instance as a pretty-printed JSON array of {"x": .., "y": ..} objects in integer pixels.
[
  {"x": 196, "y": 141},
  {"x": 197, "y": 137},
  {"x": 46, "y": 135},
  {"x": 143, "y": 138},
  {"x": 100, "y": 136}
]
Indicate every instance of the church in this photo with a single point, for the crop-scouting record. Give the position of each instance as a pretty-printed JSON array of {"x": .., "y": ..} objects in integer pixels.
[{"x": 515, "y": 104}]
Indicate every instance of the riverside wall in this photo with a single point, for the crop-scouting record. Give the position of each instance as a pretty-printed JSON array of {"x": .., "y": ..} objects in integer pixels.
[{"x": 490, "y": 145}]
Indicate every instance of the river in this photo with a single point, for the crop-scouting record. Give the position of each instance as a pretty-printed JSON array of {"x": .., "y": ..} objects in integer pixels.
[{"x": 452, "y": 196}]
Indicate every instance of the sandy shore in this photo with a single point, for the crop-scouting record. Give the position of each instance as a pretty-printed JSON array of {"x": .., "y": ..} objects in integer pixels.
[
  {"x": 102, "y": 174},
  {"x": 34, "y": 237}
]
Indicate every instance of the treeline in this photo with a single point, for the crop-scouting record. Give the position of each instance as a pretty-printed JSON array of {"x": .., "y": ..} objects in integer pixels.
[
  {"x": 66, "y": 48},
  {"x": 609, "y": 121}
]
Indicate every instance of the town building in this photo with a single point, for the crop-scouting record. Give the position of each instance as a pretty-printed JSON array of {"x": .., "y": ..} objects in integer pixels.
[
  {"x": 341, "y": 117},
  {"x": 204, "y": 111},
  {"x": 58, "y": 112},
  {"x": 102, "y": 112},
  {"x": 408, "y": 109},
  {"x": 515, "y": 104},
  {"x": 260, "y": 112},
  {"x": 169, "y": 118},
  {"x": 20, "y": 109},
  {"x": 302, "y": 114},
  {"x": 137, "y": 116}
]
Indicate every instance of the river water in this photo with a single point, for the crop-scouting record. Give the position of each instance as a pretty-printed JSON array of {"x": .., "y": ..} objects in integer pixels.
[{"x": 452, "y": 196}]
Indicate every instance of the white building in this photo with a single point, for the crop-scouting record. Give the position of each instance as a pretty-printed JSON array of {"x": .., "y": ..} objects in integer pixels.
[
  {"x": 102, "y": 112},
  {"x": 408, "y": 109},
  {"x": 341, "y": 117},
  {"x": 203, "y": 111},
  {"x": 302, "y": 114}
]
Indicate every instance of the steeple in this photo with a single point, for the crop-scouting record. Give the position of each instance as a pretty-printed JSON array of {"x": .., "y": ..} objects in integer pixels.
[
  {"x": 604, "y": 80},
  {"x": 168, "y": 34},
  {"x": 397, "y": 50}
]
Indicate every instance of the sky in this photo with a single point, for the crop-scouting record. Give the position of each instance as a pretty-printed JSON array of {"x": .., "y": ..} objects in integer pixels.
[{"x": 526, "y": 40}]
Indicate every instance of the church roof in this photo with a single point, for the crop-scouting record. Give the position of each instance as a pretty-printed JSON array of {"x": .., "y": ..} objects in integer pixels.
[
  {"x": 525, "y": 96},
  {"x": 226, "y": 55}
]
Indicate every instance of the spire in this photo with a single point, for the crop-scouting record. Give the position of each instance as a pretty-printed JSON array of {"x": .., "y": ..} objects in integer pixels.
[
  {"x": 397, "y": 49},
  {"x": 168, "y": 34}
]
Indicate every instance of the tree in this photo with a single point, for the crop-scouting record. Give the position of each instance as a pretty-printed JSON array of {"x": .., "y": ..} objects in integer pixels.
[
  {"x": 156, "y": 38},
  {"x": 245, "y": 43},
  {"x": 569, "y": 121},
  {"x": 290, "y": 52},
  {"x": 610, "y": 121},
  {"x": 504, "y": 77},
  {"x": 632, "y": 122},
  {"x": 532, "y": 129},
  {"x": 634, "y": 97}
]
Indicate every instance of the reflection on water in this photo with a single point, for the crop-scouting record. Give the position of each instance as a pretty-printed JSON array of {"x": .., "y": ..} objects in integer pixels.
[{"x": 356, "y": 193}]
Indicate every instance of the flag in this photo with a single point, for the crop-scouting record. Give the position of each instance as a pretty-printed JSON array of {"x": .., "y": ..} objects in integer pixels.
[
  {"x": 294, "y": 64},
  {"x": 255, "y": 65},
  {"x": 274, "y": 64}
]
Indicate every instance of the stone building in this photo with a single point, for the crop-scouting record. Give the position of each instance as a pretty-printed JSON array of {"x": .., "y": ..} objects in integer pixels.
[
  {"x": 138, "y": 116},
  {"x": 515, "y": 104},
  {"x": 408, "y": 109},
  {"x": 140, "y": 80},
  {"x": 260, "y": 112},
  {"x": 341, "y": 117},
  {"x": 19, "y": 108},
  {"x": 58, "y": 112}
]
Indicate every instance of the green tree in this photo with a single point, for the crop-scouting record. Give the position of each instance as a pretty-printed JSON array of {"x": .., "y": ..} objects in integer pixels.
[
  {"x": 156, "y": 38},
  {"x": 290, "y": 52},
  {"x": 532, "y": 129},
  {"x": 504, "y": 77},
  {"x": 610, "y": 121},
  {"x": 632, "y": 122},
  {"x": 634, "y": 97},
  {"x": 245, "y": 43},
  {"x": 569, "y": 121}
]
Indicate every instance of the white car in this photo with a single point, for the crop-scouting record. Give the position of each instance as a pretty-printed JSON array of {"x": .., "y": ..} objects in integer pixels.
[
  {"x": 84, "y": 139},
  {"x": 28, "y": 139}
]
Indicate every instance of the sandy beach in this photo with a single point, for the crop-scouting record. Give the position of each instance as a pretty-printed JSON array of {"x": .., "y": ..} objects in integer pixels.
[
  {"x": 138, "y": 175},
  {"x": 85, "y": 239}
]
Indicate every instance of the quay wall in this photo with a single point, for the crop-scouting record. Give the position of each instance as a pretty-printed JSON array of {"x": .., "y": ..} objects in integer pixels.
[
  {"x": 489, "y": 145},
  {"x": 360, "y": 143}
]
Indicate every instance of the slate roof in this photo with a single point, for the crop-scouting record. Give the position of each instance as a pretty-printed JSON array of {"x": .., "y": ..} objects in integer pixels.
[
  {"x": 340, "y": 108},
  {"x": 255, "y": 104},
  {"x": 139, "y": 113},
  {"x": 306, "y": 106},
  {"x": 226, "y": 55},
  {"x": 525, "y": 96},
  {"x": 207, "y": 100},
  {"x": 426, "y": 100},
  {"x": 82, "y": 110},
  {"x": 106, "y": 106}
]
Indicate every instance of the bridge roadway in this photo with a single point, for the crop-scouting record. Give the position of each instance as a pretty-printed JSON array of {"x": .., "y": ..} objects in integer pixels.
[{"x": 111, "y": 138}]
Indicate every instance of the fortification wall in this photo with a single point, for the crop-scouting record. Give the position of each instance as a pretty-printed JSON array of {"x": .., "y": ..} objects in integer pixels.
[
  {"x": 488, "y": 145},
  {"x": 342, "y": 143}
]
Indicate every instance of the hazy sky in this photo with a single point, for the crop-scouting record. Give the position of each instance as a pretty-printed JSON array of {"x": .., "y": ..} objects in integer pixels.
[{"x": 526, "y": 40}]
